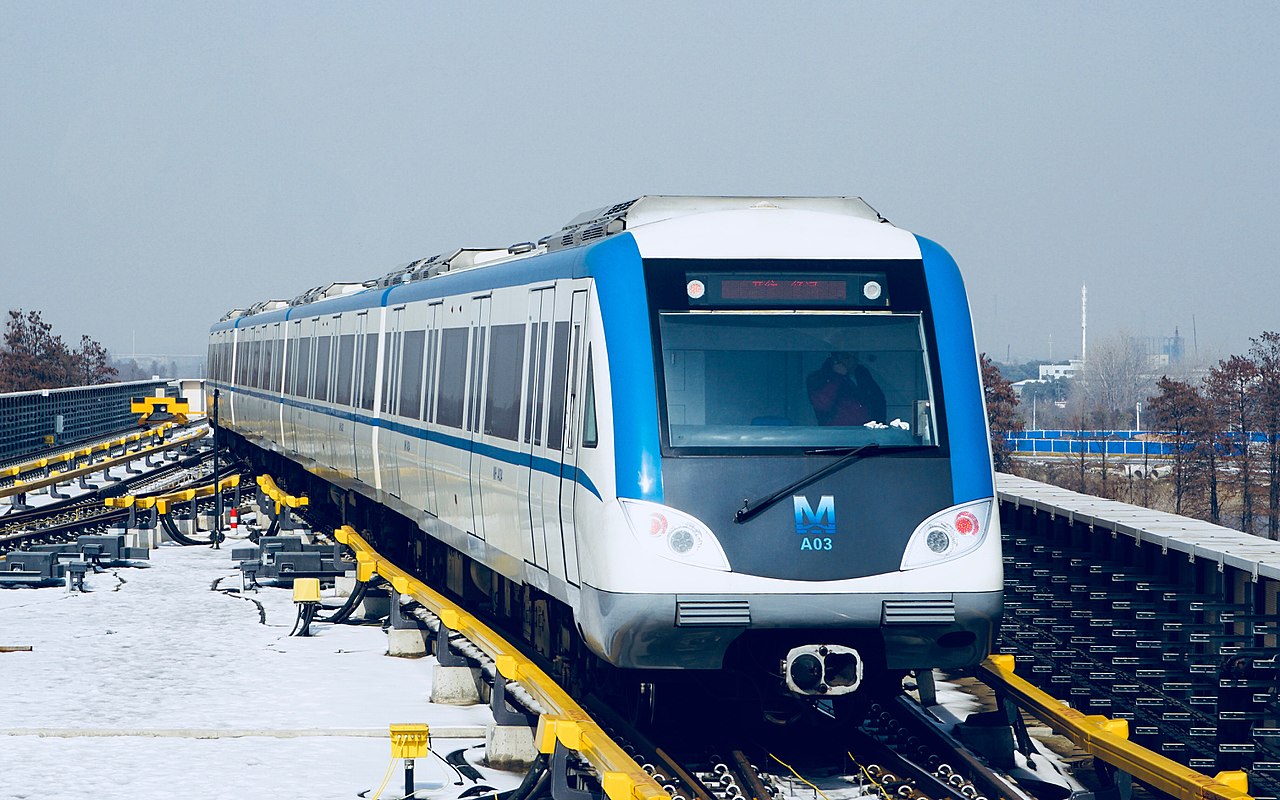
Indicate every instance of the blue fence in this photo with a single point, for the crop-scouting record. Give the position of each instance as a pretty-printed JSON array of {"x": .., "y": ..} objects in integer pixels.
[{"x": 1119, "y": 443}]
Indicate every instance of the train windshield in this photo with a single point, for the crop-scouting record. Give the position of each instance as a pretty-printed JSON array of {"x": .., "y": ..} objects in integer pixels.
[{"x": 752, "y": 380}]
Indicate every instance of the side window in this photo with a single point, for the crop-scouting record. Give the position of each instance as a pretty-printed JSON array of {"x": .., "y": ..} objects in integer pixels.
[
  {"x": 433, "y": 368},
  {"x": 320, "y": 391},
  {"x": 277, "y": 364},
  {"x": 590, "y": 435},
  {"x": 428, "y": 394},
  {"x": 502, "y": 402},
  {"x": 346, "y": 362},
  {"x": 533, "y": 389},
  {"x": 559, "y": 380},
  {"x": 264, "y": 369},
  {"x": 370, "y": 371},
  {"x": 411, "y": 375},
  {"x": 390, "y": 370},
  {"x": 477, "y": 360},
  {"x": 453, "y": 377},
  {"x": 255, "y": 363},
  {"x": 304, "y": 364},
  {"x": 291, "y": 374}
]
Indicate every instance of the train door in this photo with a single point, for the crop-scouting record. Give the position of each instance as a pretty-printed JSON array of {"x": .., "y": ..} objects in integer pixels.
[
  {"x": 540, "y": 318},
  {"x": 388, "y": 440},
  {"x": 289, "y": 412},
  {"x": 427, "y": 464},
  {"x": 323, "y": 422},
  {"x": 557, "y": 386},
  {"x": 306, "y": 372},
  {"x": 357, "y": 390},
  {"x": 450, "y": 444},
  {"x": 569, "y": 461},
  {"x": 371, "y": 399},
  {"x": 273, "y": 384},
  {"x": 227, "y": 402},
  {"x": 475, "y": 398}
]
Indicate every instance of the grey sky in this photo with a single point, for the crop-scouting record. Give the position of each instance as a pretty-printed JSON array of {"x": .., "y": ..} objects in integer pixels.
[{"x": 165, "y": 162}]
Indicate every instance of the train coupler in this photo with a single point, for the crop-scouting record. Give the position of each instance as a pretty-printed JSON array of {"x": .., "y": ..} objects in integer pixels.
[{"x": 824, "y": 670}]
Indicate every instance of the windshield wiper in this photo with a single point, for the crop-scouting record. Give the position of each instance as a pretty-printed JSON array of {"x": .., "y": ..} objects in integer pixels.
[{"x": 750, "y": 510}]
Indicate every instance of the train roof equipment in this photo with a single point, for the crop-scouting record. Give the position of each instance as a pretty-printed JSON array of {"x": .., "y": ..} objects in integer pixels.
[
  {"x": 609, "y": 220},
  {"x": 587, "y": 227},
  {"x": 328, "y": 291}
]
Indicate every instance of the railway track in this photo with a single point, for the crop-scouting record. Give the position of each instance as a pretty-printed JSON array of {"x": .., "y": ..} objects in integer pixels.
[
  {"x": 40, "y": 464},
  {"x": 86, "y": 513},
  {"x": 894, "y": 752}
]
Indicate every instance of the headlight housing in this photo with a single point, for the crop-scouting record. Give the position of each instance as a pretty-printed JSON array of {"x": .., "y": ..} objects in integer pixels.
[
  {"x": 673, "y": 535},
  {"x": 948, "y": 535}
]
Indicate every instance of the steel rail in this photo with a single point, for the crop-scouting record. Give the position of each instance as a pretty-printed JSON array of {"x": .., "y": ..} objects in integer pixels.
[
  {"x": 89, "y": 506},
  {"x": 36, "y": 462},
  {"x": 22, "y": 487}
]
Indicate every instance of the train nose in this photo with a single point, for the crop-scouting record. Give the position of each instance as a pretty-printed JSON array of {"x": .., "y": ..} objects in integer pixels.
[{"x": 823, "y": 669}]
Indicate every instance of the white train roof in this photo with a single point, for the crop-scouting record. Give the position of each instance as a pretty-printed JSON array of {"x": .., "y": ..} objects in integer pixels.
[
  {"x": 675, "y": 226},
  {"x": 745, "y": 227}
]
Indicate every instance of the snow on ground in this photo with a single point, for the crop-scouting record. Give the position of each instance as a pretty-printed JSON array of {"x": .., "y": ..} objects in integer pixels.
[{"x": 125, "y": 683}]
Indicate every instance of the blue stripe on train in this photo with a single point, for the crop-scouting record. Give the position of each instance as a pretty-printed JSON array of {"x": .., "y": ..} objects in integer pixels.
[
  {"x": 619, "y": 280},
  {"x": 539, "y": 463},
  {"x": 971, "y": 477}
]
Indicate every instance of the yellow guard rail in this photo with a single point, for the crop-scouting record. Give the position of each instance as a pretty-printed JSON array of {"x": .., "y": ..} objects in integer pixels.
[
  {"x": 1108, "y": 739},
  {"x": 566, "y": 721}
]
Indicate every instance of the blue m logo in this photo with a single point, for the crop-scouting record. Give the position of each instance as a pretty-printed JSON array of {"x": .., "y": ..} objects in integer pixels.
[{"x": 815, "y": 523}]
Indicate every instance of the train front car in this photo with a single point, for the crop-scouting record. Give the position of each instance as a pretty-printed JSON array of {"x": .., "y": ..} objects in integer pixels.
[{"x": 801, "y": 453}]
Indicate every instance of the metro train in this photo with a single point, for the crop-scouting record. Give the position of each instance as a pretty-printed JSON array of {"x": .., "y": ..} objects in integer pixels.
[{"x": 682, "y": 433}]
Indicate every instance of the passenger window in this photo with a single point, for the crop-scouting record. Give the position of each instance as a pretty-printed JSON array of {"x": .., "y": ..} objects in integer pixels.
[
  {"x": 367, "y": 388},
  {"x": 502, "y": 401},
  {"x": 559, "y": 380},
  {"x": 346, "y": 362},
  {"x": 590, "y": 436},
  {"x": 321, "y": 389},
  {"x": 433, "y": 338},
  {"x": 411, "y": 375},
  {"x": 304, "y": 361},
  {"x": 453, "y": 377}
]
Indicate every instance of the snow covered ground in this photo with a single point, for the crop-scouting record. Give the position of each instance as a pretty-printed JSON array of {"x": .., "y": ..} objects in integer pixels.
[{"x": 153, "y": 684}]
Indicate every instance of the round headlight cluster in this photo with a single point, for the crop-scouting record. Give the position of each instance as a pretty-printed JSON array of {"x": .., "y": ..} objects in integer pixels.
[
  {"x": 938, "y": 540},
  {"x": 682, "y": 540}
]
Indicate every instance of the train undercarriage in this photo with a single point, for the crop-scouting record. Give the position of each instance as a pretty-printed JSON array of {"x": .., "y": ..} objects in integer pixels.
[{"x": 769, "y": 674}]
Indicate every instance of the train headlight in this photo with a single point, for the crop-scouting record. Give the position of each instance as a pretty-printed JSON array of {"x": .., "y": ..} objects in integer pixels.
[
  {"x": 673, "y": 535},
  {"x": 948, "y": 534}
]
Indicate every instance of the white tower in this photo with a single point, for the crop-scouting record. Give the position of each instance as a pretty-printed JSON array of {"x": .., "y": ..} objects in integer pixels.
[{"x": 1084, "y": 322}]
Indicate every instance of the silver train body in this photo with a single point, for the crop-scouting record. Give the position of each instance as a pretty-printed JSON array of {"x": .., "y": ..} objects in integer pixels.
[{"x": 607, "y": 417}]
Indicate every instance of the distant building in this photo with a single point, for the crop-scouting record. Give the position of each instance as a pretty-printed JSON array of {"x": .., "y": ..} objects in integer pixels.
[
  {"x": 1160, "y": 351},
  {"x": 1018, "y": 386},
  {"x": 1049, "y": 372}
]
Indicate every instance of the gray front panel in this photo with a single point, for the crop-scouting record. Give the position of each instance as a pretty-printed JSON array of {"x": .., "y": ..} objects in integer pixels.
[{"x": 876, "y": 503}]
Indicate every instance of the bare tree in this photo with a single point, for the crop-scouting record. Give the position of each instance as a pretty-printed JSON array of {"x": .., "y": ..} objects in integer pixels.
[
  {"x": 1115, "y": 378},
  {"x": 1231, "y": 388},
  {"x": 33, "y": 357},
  {"x": 92, "y": 363},
  {"x": 1178, "y": 412},
  {"x": 1265, "y": 353},
  {"x": 1002, "y": 413}
]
